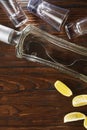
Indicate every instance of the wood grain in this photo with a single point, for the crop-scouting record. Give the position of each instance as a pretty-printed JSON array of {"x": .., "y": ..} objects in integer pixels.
[{"x": 28, "y": 99}]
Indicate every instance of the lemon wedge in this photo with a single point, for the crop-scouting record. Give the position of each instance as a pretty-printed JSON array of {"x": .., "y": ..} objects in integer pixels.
[
  {"x": 62, "y": 88},
  {"x": 80, "y": 100},
  {"x": 85, "y": 123},
  {"x": 74, "y": 116}
]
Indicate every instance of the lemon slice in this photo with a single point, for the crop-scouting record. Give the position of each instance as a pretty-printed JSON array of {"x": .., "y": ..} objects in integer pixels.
[
  {"x": 74, "y": 116},
  {"x": 62, "y": 88},
  {"x": 85, "y": 123},
  {"x": 80, "y": 100}
]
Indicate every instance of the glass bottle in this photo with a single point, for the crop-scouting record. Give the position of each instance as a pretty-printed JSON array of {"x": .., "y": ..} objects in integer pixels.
[
  {"x": 54, "y": 15},
  {"x": 36, "y": 45},
  {"x": 14, "y": 12}
]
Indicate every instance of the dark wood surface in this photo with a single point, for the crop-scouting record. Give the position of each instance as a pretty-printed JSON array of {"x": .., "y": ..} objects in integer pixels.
[{"x": 28, "y": 99}]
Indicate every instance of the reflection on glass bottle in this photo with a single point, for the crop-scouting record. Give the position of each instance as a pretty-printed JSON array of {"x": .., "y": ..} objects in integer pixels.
[{"x": 36, "y": 45}]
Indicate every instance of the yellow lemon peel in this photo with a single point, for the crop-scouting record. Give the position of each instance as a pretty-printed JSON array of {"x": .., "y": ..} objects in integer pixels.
[
  {"x": 74, "y": 116},
  {"x": 80, "y": 100},
  {"x": 85, "y": 123},
  {"x": 63, "y": 89}
]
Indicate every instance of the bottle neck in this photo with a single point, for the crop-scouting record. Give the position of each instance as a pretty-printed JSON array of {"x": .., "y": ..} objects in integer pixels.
[
  {"x": 15, "y": 37},
  {"x": 9, "y": 35}
]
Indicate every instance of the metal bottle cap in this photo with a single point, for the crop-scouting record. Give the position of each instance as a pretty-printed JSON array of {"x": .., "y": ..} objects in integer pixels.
[{"x": 5, "y": 33}]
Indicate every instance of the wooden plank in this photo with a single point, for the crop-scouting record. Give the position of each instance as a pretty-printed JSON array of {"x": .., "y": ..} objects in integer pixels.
[{"x": 28, "y": 99}]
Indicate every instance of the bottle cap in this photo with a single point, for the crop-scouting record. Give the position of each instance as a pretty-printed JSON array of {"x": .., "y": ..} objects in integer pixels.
[{"x": 5, "y": 34}]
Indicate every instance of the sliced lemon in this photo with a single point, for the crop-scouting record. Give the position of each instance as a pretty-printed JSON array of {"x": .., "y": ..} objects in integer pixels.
[
  {"x": 85, "y": 123},
  {"x": 74, "y": 116},
  {"x": 62, "y": 88},
  {"x": 80, "y": 100}
]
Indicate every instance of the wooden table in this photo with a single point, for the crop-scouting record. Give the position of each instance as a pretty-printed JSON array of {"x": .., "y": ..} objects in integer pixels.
[{"x": 28, "y": 99}]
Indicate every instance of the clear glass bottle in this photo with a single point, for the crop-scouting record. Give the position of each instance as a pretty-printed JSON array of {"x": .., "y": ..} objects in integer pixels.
[
  {"x": 54, "y": 15},
  {"x": 14, "y": 12},
  {"x": 36, "y": 45},
  {"x": 77, "y": 28}
]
